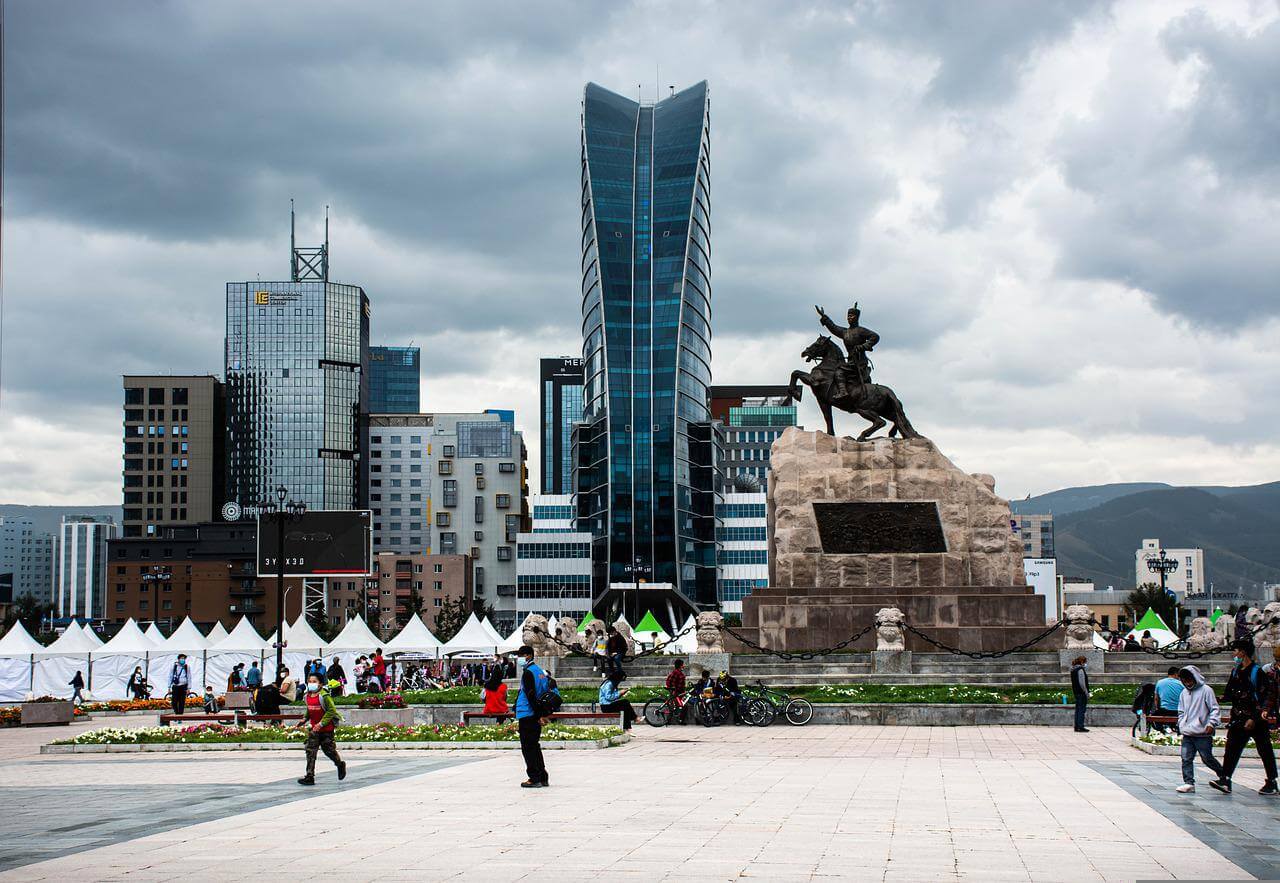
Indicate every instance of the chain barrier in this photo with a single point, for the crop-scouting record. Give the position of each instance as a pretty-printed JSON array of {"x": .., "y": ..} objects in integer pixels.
[
  {"x": 803, "y": 655},
  {"x": 1170, "y": 651},
  {"x": 656, "y": 648},
  {"x": 984, "y": 654}
]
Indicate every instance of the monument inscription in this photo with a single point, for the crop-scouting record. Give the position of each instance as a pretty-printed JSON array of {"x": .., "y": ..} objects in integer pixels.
[{"x": 879, "y": 527}]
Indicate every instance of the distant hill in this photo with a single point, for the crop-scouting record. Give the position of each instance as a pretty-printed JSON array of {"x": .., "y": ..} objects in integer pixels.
[
  {"x": 1074, "y": 499},
  {"x": 1238, "y": 529},
  {"x": 48, "y": 518}
]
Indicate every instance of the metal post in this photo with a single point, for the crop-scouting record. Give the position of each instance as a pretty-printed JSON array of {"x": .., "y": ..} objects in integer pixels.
[{"x": 280, "y": 590}]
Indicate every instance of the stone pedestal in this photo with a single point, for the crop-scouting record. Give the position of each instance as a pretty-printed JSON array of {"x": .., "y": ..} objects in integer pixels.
[
  {"x": 236, "y": 699},
  {"x": 1094, "y": 655},
  {"x": 45, "y": 714},
  {"x": 859, "y": 526},
  {"x": 712, "y": 662},
  {"x": 891, "y": 662}
]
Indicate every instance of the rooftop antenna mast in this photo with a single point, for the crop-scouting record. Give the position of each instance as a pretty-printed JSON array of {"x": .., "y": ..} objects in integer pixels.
[{"x": 308, "y": 264}]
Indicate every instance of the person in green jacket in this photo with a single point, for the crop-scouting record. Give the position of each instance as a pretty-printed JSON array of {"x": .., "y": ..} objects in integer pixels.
[{"x": 321, "y": 720}]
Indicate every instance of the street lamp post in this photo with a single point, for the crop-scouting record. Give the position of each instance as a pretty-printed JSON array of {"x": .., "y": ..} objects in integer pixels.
[
  {"x": 1165, "y": 566},
  {"x": 282, "y": 510}
]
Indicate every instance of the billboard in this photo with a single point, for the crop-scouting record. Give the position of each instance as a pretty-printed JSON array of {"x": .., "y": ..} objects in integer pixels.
[
  {"x": 1042, "y": 576},
  {"x": 336, "y": 543}
]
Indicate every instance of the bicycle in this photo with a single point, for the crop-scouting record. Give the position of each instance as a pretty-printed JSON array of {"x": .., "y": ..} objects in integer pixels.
[
  {"x": 761, "y": 709},
  {"x": 711, "y": 710},
  {"x": 660, "y": 712}
]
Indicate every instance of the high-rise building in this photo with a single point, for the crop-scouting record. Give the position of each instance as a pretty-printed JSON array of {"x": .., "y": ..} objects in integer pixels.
[
  {"x": 297, "y": 356},
  {"x": 1036, "y": 533},
  {"x": 553, "y": 562},
  {"x": 26, "y": 553},
  {"x": 561, "y": 411},
  {"x": 753, "y": 418},
  {"x": 1188, "y": 578},
  {"x": 646, "y": 487},
  {"x": 451, "y": 484},
  {"x": 174, "y": 432},
  {"x": 82, "y": 565},
  {"x": 395, "y": 377},
  {"x": 743, "y": 555}
]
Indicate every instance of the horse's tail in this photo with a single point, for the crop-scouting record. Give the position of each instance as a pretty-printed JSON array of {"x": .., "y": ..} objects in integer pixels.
[{"x": 900, "y": 420}]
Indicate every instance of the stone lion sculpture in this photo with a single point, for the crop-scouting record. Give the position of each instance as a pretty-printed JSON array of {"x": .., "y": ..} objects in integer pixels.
[
  {"x": 534, "y": 634},
  {"x": 1202, "y": 636},
  {"x": 1079, "y": 619},
  {"x": 567, "y": 631},
  {"x": 710, "y": 638},
  {"x": 1269, "y": 636},
  {"x": 1225, "y": 627},
  {"x": 889, "y": 633},
  {"x": 624, "y": 629}
]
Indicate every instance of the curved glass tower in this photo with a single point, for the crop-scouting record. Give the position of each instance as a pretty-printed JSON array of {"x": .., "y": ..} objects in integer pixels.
[{"x": 645, "y": 447}]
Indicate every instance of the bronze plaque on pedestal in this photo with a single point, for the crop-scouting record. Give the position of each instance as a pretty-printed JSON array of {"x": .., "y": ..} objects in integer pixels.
[{"x": 881, "y": 528}]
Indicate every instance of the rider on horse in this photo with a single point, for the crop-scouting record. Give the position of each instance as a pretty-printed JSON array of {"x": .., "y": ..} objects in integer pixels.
[{"x": 858, "y": 341}]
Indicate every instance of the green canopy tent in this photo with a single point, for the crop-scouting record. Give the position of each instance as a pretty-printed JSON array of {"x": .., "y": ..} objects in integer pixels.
[
  {"x": 1217, "y": 612},
  {"x": 586, "y": 621},
  {"x": 649, "y": 630},
  {"x": 1151, "y": 622}
]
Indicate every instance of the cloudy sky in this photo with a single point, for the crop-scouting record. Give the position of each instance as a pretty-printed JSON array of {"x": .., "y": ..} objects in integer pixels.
[{"x": 1060, "y": 216}]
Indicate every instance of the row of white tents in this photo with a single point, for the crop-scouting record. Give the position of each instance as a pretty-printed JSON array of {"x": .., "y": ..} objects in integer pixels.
[{"x": 28, "y": 668}]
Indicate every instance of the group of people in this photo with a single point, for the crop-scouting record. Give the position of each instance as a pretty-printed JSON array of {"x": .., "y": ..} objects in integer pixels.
[
  {"x": 1119, "y": 643},
  {"x": 706, "y": 687}
]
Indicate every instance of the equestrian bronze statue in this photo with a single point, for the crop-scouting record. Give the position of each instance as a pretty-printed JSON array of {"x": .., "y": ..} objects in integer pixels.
[{"x": 845, "y": 383}]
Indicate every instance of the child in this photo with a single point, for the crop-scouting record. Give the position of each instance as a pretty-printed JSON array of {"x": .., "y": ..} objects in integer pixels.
[
  {"x": 210, "y": 701},
  {"x": 1198, "y": 717},
  {"x": 321, "y": 720}
]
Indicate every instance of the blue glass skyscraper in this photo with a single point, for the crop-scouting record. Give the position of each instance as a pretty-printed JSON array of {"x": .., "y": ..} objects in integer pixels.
[
  {"x": 394, "y": 380},
  {"x": 646, "y": 483}
]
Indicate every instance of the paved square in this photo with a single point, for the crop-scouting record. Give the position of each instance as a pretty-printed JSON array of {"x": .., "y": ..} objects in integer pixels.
[{"x": 681, "y": 803}]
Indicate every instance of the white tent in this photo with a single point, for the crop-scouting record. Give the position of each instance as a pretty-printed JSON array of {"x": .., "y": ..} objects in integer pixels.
[
  {"x": 472, "y": 640},
  {"x": 355, "y": 635},
  {"x": 128, "y": 641},
  {"x": 72, "y": 642},
  {"x": 687, "y": 642},
  {"x": 244, "y": 638},
  {"x": 154, "y": 635},
  {"x": 91, "y": 635},
  {"x": 18, "y": 642},
  {"x": 216, "y": 634},
  {"x": 114, "y": 661},
  {"x": 493, "y": 633},
  {"x": 300, "y": 637},
  {"x": 186, "y": 638},
  {"x": 415, "y": 637},
  {"x": 1151, "y": 622},
  {"x": 515, "y": 640}
]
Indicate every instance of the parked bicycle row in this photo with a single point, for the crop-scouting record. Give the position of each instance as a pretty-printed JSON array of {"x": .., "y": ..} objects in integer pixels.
[{"x": 713, "y": 701}]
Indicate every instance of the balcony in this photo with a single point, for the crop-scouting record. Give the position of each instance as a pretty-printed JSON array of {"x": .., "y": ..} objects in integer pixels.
[
  {"x": 248, "y": 609},
  {"x": 247, "y": 591},
  {"x": 506, "y": 591}
]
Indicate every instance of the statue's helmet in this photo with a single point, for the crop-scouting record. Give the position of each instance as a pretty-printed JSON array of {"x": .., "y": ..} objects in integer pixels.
[{"x": 854, "y": 314}]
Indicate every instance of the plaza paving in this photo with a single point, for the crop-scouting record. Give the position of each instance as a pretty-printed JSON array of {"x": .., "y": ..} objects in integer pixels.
[{"x": 681, "y": 803}]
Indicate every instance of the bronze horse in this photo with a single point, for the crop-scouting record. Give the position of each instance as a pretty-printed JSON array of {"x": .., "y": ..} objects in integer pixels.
[{"x": 832, "y": 387}]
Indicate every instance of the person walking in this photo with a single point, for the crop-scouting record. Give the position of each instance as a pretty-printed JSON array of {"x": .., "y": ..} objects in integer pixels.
[
  {"x": 321, "y": 721},
  {"x": 337, "y": 673},
  {"x": 1198, "y": 718},
  {"x": 1247, "y": 690},
  {"x": 614, "y": 699},
  {"x": 179, "y": 683},
  {"x": 77, "y": 687},
  {"x": 1080, "y": 690},
  {"x": 533, "y": 683},
  {"x": 494, "y": 696}
]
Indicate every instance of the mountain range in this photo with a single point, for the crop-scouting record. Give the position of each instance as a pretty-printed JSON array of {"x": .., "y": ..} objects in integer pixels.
[{"x": 1098, "y": 529}]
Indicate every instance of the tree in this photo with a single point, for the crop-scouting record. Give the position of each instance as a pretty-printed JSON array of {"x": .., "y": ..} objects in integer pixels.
[
  {"x": 1148, "y": 596},
  {"x": 30, "y": 612},
  {"x": 415, "y": 605},
  {"x": 450, "y": 617}
]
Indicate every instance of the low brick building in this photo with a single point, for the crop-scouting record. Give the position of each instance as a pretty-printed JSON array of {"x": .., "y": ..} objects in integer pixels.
[{"x": 434, "y": 577}]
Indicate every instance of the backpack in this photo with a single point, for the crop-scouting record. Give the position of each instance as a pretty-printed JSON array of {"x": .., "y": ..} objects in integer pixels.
[
  {"x": 548, "y": 702},
  {"x": 1144, "y": 699}
]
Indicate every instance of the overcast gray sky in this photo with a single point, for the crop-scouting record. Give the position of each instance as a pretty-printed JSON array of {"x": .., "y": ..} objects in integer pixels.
[{"x": 1060, "y": 216}]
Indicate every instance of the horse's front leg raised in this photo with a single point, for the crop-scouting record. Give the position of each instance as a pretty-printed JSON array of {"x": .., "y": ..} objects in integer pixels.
[{"x": 794, "y": 390}]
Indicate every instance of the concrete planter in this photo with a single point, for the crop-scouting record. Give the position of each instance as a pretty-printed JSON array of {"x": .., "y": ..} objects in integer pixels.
[
  {"x": 45, "y": 714},
  {"x": 368, "y": 717}
]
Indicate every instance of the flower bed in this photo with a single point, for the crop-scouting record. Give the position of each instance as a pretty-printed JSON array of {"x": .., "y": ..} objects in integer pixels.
[
  {"x": 212, "y": 733},
  {"x": 193, "y": 702},
  {"x": 1173, "y": 740},
  {"x": 381, "y": 700}
]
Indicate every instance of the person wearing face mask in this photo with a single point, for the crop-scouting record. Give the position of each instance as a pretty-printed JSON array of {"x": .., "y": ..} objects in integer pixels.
[
  {"x": 179, "y": 683},
  {"x": 533, "y": 683},
  {"x": 1080, "y": 690},
  {"x": 1247, "y": 690},
  {"x": 321, "y": 720}
]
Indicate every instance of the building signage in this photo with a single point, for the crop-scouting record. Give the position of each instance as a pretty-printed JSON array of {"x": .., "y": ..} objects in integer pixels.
[{"x": 1042, "y": 577}]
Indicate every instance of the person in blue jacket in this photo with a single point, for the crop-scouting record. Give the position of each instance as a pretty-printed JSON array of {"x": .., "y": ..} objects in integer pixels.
[{"x": 533, "y": 683}]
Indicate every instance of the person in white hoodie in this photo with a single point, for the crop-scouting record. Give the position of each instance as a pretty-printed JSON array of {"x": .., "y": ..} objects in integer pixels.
[{"x": 1198, "y": 718}]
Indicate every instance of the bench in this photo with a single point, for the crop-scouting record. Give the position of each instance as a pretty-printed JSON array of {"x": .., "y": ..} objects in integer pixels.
[
  {"x": 238, "y": 718},
  {"x": 1171, "y": 720},
  {"x": 468, "y": 716}
]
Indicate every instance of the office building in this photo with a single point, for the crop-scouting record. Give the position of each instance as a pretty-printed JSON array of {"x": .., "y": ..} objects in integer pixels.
[
  {"x": 1036, "y": 534},
  {"x": 395, "y": 377},
  {"x": 553, "y": 562},
  {"x": 388, "y": 602},
  {"x": 1187, "y": 579},
  {"x": 174, "y": 432},
  {"x": 297, "y": 356},
  {"x": 205, "y": 571},
  {"x": 743, "y": 555},
  {"x": 26, "y": 554},
  {"x": 645, "y": 449},
  {"x": 82, "y": 565},
  {"x": 451, "y": 484},
  {"x": 753, "y": 418},
  {"x": 561, "y": 410}
]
